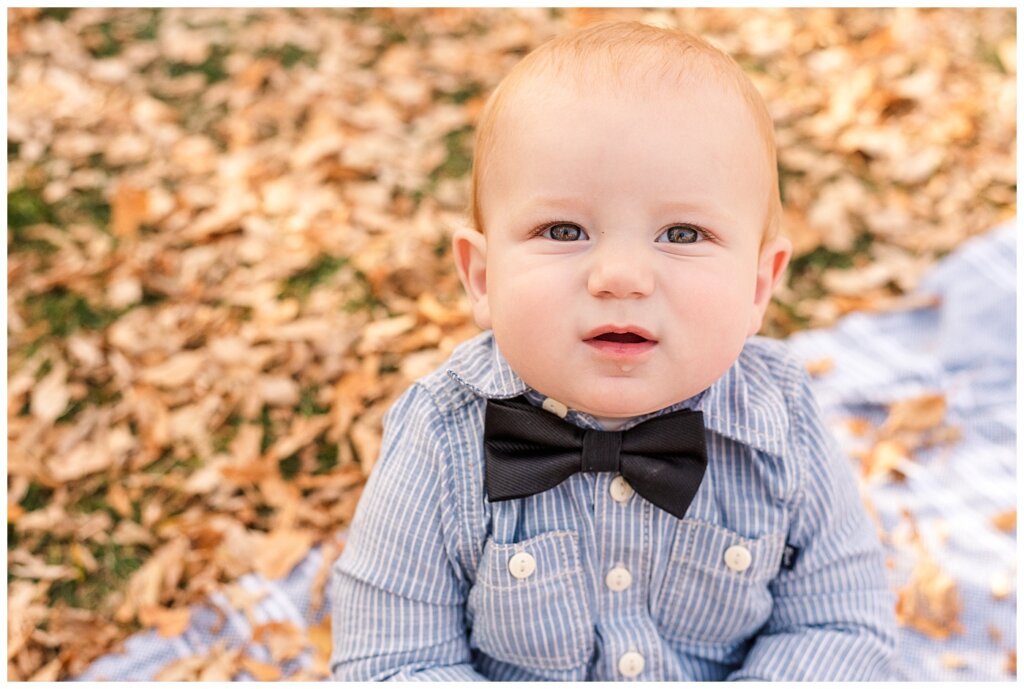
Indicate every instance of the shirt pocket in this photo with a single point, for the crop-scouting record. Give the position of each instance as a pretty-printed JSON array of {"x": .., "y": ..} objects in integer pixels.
[
  {"x": 715, "y": 588},
  {"x": 538, "y": 620}
]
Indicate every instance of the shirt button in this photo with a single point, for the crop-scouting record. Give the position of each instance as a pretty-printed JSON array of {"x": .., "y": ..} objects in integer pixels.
[
  {"x": 555, "y": 407},
  {"x": 621, "y": 491},
  {"x": 737, "y": 558},
  {"x": 521, "y": 565},
  {"x": 618, "y": 579},
  {"x": 631, "y": 664}
]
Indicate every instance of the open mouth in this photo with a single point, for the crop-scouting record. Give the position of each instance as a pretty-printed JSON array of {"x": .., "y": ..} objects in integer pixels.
[
  {"x": 631, "y": 338},
  {"x": 621, "y": 342}
]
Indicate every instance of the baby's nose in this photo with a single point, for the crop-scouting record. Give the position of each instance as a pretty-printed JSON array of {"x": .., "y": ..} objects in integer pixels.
[{"x": 620, "y": 273}]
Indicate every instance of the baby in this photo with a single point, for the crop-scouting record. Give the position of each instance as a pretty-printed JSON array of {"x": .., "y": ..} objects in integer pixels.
[{"x": 617, "y": 479}]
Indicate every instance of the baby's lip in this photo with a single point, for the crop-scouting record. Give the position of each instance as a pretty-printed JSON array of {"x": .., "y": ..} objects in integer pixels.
[{"x": 623, "y": 330}]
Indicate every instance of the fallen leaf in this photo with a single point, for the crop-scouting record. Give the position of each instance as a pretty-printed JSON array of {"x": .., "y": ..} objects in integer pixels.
[
  {"x": 819, "y": 367},
  {"x": 929, "y": 602},
  {"x": 883, "y": 459},
  {"x": 283, "y": 639},
  {"x": 261, "y": 672},
  {"x": 1001, "y": 585},
  {"x": 915, "y": 414},
  {"x": 281, "y": 550},
  {"x": 129, "y": 208},
  {"x": 1006, "y": 521},
  {"x": 50, "y": 396},
  {"x": 167, "y": 621},
  {"x": 953, "y": 661}
]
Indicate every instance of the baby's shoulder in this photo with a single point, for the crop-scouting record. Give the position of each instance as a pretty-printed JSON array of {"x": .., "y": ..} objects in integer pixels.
[{"x": 447, "y": 385}]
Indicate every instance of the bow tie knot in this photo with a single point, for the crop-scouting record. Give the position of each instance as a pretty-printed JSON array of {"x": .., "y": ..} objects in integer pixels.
[
  {"x": 601, "y": 451},
  {"x": 528, "y": 451}
]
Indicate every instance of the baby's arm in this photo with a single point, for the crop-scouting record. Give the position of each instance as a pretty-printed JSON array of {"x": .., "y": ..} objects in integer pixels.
[
  {"x": 398, "y": 600},
  {"x": 833, "y": 615}
]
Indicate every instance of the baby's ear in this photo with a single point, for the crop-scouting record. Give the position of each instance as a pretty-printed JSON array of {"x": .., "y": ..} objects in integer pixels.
[
  {"x": 770, "y": 267},
  {"x": 470, "y": 249}
]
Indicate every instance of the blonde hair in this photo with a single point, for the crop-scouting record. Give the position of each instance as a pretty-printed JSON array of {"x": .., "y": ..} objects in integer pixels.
[{"x": 622, "y": 49}]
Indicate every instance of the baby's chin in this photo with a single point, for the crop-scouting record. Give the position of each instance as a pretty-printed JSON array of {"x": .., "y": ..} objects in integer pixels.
[{"x": 623, "y": 404}]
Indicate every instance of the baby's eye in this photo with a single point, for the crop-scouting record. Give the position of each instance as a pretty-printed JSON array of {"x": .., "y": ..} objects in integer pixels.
[
  {"x": 564, "y": 232},
  {"x": 682, "y": 234}
]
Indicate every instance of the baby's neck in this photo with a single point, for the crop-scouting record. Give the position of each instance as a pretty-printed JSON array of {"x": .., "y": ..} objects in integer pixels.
[{"x": 611, "y": 424}]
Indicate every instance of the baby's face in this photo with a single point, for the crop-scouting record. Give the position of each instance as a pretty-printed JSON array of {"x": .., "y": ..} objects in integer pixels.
[{"x": 621, "y": 263}]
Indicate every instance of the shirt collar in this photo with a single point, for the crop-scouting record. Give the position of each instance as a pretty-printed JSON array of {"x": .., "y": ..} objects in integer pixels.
[{"x": 740, "y": 405}]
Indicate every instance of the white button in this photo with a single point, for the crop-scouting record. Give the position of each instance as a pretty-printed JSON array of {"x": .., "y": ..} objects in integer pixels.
[
  {"x": 618, "y": 579},
  {"x": 621, "y": 491},
  {"x": 737, "y": 558},
  {"x": 521, "y": 565},
  {"x": 555, "y": 407},
  {"x": 631, "y": 664}
]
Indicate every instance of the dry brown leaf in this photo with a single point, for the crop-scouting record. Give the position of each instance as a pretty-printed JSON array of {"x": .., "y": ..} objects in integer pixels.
[
  {"x": 49, "y": 672},
  {"x": 916, "y": 414},
  {"x": 167, "y": 621},
  {"x": 320, "y": 637},
  {"x": 883, "y": 459},
  {"x": 155, "y": 579},
  {"x": 129, "y": 208},
  {"x": 281, "y": 550},
  {"x": 378, "y": 336},
  {"x": 261, "y": 672},
  {"x": 283, "y": 639},
  {"x": 953, "y": 661},
  {"x": 819, "y": 367},
  {"x": 50, "y": 396},
  {"x": 858, "y": 427},
  {"x": 1006, "y": 521},
  {"x": 1011, "y": 662},
  {"x": 1001, "y": 585},
  {"x": 14, "y": 511},
  {"x": 929, "y": 602}
]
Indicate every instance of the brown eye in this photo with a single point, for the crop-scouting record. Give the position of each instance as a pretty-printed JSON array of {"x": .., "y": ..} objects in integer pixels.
[
  {"x": 564, "y": 232},
  {"x": 682, "y": 234}
]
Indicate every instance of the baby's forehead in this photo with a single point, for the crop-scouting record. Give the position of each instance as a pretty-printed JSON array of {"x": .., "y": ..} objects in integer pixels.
[{"x": 639, "y": 85}]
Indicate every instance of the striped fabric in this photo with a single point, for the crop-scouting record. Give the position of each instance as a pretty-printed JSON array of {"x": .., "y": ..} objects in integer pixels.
[{"x": 424, "y": 588}]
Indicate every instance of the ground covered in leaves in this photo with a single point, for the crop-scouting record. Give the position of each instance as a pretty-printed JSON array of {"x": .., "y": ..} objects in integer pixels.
[{"x": 228, "y": 254}]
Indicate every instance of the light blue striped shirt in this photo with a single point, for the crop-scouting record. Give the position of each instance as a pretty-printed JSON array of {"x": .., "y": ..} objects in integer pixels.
[{"x": 606, "y": 586}]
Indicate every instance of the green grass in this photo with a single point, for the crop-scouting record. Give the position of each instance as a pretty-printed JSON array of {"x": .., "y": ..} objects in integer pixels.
[
  {"x": 95, "y": 396},
  {"x": 90, "y": 591},
  {"x": 65, "y": 312},
  {"x": 326, "y": 456},
  {"x": 302, "y": 283},
  {"x": 213, "y": 67},
  {"x": 308, "y": 405},
  {"x": 461, "y": 95},
  {"x": 288, "y": 55},
  {"x": 459, "y": 159}
]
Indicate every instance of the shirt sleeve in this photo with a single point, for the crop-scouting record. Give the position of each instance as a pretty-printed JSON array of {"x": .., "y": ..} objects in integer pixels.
[
  {"x": 398, "y": 596},
  {"x": 833, "y": 616}
]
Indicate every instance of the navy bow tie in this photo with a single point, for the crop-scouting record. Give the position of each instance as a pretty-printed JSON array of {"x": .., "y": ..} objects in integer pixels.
[{"x": 528, "y": 451}]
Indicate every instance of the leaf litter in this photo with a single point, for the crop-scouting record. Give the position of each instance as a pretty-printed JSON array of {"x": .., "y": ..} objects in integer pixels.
[{"x": 227, "y": 256}]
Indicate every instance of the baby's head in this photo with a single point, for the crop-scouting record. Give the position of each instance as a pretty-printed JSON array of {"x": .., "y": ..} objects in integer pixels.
[{"x": 626, "y": 205}]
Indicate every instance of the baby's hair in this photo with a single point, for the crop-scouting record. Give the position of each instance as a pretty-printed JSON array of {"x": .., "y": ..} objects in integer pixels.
[{"x": 628, "y": 52}]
